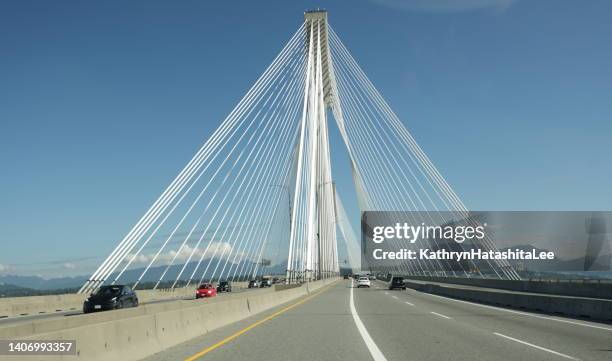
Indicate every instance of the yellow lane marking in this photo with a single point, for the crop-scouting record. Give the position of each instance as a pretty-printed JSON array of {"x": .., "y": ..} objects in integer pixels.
[{"x": 246, "y": 329}]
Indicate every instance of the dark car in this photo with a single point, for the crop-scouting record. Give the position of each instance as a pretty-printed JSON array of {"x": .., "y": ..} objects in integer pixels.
[
  {"x": 397, "y": 282},
  {"x": 254, "y": 284},
  {"x": 346, "y": 277},
  {"x": 110, "y": 298},
  {"x": 266, "y": 282},
  {"x": 224, "y": 286}
]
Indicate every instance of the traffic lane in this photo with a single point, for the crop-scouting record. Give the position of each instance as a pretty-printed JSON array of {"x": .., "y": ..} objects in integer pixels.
[
  {"x": 11, "y": 321},
  {"x": 16, "y": 320},
  {"x": 39, "y": 316},
  {"x": 581, "y": 339},
  {"x": 321, "y": 328},
  {"x": 405, "y": 332}
]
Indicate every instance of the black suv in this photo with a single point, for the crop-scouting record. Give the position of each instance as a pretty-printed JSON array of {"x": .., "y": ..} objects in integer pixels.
[
  {"x": 224, "y": 286},
  {"x": 397, "y": 282},
  {"x": 110, "y": 298},
  {"x": 266, "y": 282}
]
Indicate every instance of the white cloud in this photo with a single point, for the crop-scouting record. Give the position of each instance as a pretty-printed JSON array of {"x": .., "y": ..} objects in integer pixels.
[
  {"x": 69, "y": 265},
  {"x": 446, "y": 5},
  {"x": 216, "y": 249},
  {"x": 4, "y": 268}
]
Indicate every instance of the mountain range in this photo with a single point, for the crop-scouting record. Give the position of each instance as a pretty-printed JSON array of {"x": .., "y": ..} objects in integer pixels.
[{"x": 131, "y": 275}]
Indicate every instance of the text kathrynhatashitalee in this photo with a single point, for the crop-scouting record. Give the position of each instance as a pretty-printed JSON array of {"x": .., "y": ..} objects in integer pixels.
[{"x": 442, "y": 254}]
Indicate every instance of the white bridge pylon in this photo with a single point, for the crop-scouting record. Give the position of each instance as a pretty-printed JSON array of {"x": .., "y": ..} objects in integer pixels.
[
  {"x": 312, "y": 245},
  {"x": 259, "y": 198}
]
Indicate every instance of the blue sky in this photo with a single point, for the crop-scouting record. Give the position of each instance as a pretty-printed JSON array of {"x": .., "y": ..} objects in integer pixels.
[{"x": 102, "y": 103}]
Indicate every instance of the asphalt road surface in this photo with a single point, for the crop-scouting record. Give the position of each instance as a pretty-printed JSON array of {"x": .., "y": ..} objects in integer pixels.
[
  {"x": 378, "y": 324},
  {"x": 9, "y": 321}
]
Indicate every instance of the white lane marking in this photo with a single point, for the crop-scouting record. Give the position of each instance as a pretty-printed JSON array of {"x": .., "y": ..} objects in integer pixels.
[
  {"x": 536, "y": 346},
  {"x": 377, "y": 355},
  {"x": 386, "y": 293},
  {"x": 441, "y": 315},
  {"x": 394, "y": 297},
  {"x": 408, "y": 303},
  {"x": 523, "y": 313}
]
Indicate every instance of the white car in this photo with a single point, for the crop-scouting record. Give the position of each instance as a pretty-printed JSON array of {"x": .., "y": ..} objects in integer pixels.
[{"x": 363, "y": 282}]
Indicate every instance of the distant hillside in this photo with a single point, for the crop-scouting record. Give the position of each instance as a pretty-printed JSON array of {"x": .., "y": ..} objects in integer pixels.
[
  {"x": 39, "y": 283},
  {"x": 8, "y": 290},
  {"x": 36, "y": 283}
]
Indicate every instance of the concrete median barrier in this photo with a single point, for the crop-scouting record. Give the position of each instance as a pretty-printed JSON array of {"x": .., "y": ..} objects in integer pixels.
[
  {"x": 577, "y": 288},
  {"x": 592, "y": 308},
  {"x": 54, "y": 324},
  {"x": 272, "y": 299},
  {"x": 135, "y": 333},
  {"x": 16, "y": 306},
  {"x": 6, "y": 309},
  {"x": 33, "y": 305},
  {"x": 284, "y": 286}
]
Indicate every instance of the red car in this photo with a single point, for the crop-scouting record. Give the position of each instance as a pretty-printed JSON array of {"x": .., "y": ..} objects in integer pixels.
[{"x": 206, "y": 290}]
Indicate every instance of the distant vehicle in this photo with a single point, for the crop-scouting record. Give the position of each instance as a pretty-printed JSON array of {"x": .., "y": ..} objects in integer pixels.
[
  {"x": 254, "y": 284},
  {"x": 266, "y": 282},
  {"x": 363, "y": 281},
  {"x": 346, "y": 277},
  {"x": 110, "y": 298},
  {"x": 277, "y": 280},
  {"x": 206, "y": 290},
  {"x": 372, "y": 277},
  {"x": 224, "y": 286},
  {"x": 397, "y": 282}
]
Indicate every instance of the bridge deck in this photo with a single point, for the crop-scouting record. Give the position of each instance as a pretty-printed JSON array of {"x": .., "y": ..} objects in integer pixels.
[{"x": 405, "y": 325}]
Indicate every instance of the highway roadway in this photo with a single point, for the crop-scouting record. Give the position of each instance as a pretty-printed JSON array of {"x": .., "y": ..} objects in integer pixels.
[
  {"x": 346, "y": 323},
  {"x": 9, "y": 321}
]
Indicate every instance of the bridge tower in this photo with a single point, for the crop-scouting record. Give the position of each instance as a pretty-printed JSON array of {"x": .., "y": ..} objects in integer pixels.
[{"x": 316, "y": 189}]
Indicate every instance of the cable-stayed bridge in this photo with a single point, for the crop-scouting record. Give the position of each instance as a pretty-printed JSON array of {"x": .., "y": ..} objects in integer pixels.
[
  {"x": 270, "y": 159},
  {"x": 259, "y": 198}
]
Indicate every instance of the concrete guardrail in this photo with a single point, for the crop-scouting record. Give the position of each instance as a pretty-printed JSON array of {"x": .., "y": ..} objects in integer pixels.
[
  {"x": 577, "y": 288},
  {"x": 592, "y": 308},
  {"x": 32, "y": 305},
  {"x": 135, "y": 333}
]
